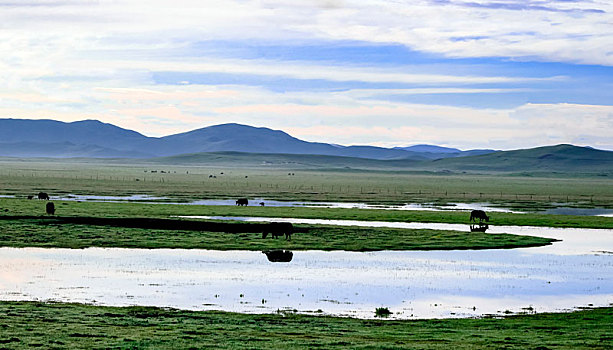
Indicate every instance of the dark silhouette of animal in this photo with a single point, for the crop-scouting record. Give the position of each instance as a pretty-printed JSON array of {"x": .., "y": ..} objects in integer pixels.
[
  {"x": 277, "y": 229},
  {"x": 242, "y": 201},
  {"x": 479, "y": 214},
  {"x": 279, "y": 255},
  {"x": 43, "y": 195},
  {"x": 30, "y": 197},
  {"x": 50, "y": 208},
  {"x": 261, "y": 204},
  {"x": 479, "y": 228}
]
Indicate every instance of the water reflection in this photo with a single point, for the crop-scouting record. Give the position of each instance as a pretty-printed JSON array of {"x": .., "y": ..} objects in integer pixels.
[
  {"x": 279, "y": 255},
  {"x": 479, "y": 228},
  {"x": 417, "y": 284}
]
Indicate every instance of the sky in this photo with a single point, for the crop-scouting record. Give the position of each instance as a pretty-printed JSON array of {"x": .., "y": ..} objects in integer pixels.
[{"x": 501, "y": 74}]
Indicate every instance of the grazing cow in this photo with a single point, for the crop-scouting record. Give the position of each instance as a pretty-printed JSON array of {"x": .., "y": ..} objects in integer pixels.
[
  {"x": 277, "y": 229},
  {"x": 43, "y": 195},
  {"x": 30, "y": 197},
  {"x": 50, "y": 208},
  {"x": 479, "y": 214},
  {"x": 242, "y": 201},
  {"x": 279, "y": 255},
  {"x": 479, "y": 228},
  {"x": 261, "y": 204}
]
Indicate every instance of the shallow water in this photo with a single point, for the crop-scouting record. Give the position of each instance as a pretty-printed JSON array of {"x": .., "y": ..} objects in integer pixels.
[
  {"x": 411, "y": 284},
  {"x": 575, "y": 272},
  {"x": 275, "y": 203}
]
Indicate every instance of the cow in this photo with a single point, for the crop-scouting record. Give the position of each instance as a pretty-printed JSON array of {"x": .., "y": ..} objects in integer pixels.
[
  {"x": 479, "y": 228},
  {"x": 261, "y": 204},
  {"x": 50, "y": 208},
  {"x": 43, "y": 195},
  {"x": 277, "y": 229},
  {"x": 30, "y": 197},
  {"x": 479, "y": 214},
  {"x": 278, "y": 255},
  {"x": 242, "y": 201}
]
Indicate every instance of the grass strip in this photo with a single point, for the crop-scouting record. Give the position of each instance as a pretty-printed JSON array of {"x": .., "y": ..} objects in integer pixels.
[
  {"x": 12, "y": 206},
  {"x": 83, "y": 232},
  {"x": 77, "y": 326}
]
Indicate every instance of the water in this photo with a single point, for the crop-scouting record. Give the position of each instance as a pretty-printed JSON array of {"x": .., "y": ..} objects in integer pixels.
[
  {"x": 576, "y": 272},
  {"x": 346, "y": 205},
  {"x": 275, "y": 203}
]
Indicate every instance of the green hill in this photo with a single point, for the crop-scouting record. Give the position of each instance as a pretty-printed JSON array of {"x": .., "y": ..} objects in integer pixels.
[{"x": 560, "y": 158}]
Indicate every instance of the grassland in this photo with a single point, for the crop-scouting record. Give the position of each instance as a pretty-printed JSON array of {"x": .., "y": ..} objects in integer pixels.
[
  {"x": 186, "y": 183},
  {"x": 74, "y": 326}
]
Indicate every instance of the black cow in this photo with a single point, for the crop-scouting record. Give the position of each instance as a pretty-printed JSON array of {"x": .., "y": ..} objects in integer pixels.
[
  {"x": 479, "y": 228},
  {"x": 30, "y": 197},
  {"x": 279, "y": 255},
  {"x": 43, "y": 195},
  {"x": 479, "y": 214},
  {"x": 261, "y": 204},
  {"x": 242, "y": 201},
  {"x": 277, "y": 229},
  {"x": 50, "y": 208}
]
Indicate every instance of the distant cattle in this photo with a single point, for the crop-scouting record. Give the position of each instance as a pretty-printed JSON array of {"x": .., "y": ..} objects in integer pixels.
[
  {"x": 261, "y": 204},
  {"x": 242, "y": 202},
  {"x": 279, "y": 255},
  {"x": 50, "y": 208},
  {"x": 43, "y": 195},
  {"x": 277, "y": 229},
  {"x": 479, "y": 228},
  {"x": 479, "y": 214},
  {"x": 30, "y": 197}
]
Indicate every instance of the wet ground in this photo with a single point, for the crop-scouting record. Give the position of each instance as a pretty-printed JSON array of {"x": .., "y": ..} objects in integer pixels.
[{"x": 273, "y": 203}]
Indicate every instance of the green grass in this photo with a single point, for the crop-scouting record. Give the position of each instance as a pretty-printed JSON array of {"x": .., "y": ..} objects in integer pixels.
[
  {"x": 100, "y": 209},
  {"x": 131, "y": 233},
  {"x": 186, "y": 183},
  {"x": 27, "y": 325}
]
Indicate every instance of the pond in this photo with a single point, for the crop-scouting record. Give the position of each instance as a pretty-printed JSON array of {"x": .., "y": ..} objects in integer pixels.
[{"x": 576, "y": 272}]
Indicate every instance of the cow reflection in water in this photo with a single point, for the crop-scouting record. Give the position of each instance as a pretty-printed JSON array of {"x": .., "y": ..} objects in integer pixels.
[
  {"x": 279, "y": 255},
  {"x": 479, "y": 228}
]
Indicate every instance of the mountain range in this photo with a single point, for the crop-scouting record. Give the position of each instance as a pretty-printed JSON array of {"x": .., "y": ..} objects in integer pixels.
[
  {"x": 94, "y": 139},
  {"x": 236, "y": 144}
]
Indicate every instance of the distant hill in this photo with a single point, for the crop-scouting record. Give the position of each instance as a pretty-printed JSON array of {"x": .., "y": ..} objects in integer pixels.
[
  {"x": 565, "y": 159},
  {"x": 92, "y": 138},
  {"x": 438, "y": 152},
  {"x": 246, "y": 145},
  {"x": 560, "y": 158}
]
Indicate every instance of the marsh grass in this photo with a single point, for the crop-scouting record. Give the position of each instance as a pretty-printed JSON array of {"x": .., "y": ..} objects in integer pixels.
[{"x": 75, "y": 326}]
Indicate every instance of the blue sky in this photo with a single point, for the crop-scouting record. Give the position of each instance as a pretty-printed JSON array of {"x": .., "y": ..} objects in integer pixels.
[{"x": 500, "y": 74}]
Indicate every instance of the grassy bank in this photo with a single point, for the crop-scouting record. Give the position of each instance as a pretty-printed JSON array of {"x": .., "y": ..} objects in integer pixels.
[
  {"x": 75, "y": 326},
  {"x": 99, "y": 209},
  {"x": 83, "y": 232}
]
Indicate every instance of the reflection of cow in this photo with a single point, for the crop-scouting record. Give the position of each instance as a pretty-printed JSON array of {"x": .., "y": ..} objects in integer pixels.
[
  {"x": 277, "y": 229},
  {"x": 279, "y": 255},
  {"x": 50, "y": 208},
  {"x": 479, "y": 214},
  {"x": 479, "y": 228},
  {"x": 242, "y": 201},
  {"x": 43, "y": 195}
]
